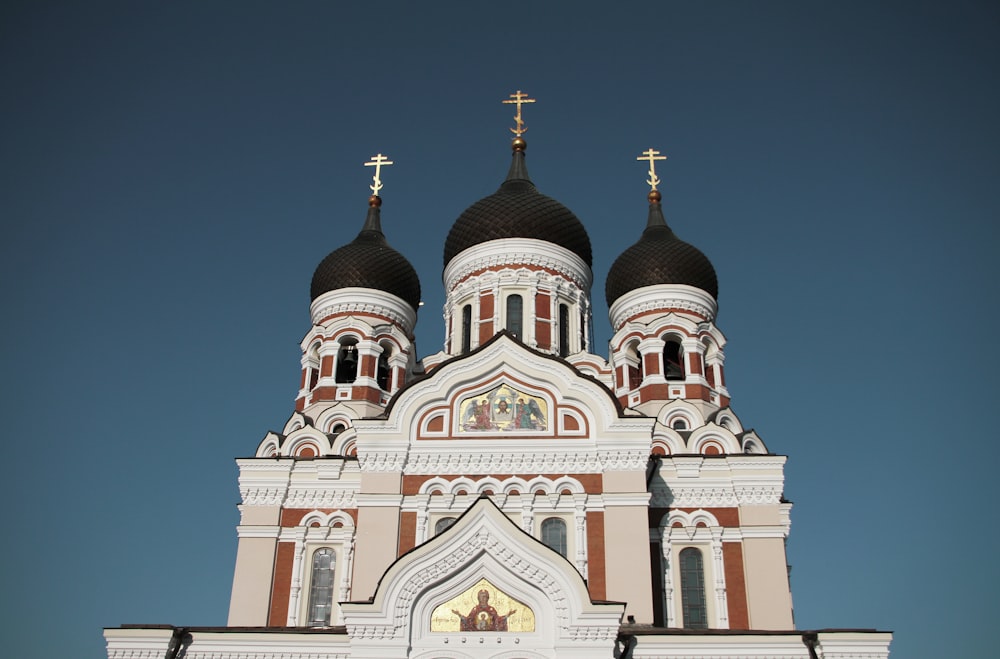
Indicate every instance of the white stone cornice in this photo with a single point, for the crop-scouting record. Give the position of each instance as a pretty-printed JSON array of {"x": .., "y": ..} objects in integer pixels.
[
  {"x": 613, "y": 500},
  {"x": 514, "y": 252},
  {"x": 257, "y": 531},
  {"x": 380, "y": 500},
  {"x": 662, "y": 296},
  {"x": 364, "y": 301}
]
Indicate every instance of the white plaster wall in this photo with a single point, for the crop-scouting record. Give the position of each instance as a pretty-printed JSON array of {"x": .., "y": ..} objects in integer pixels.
[
  {"x": 768, "y": 597},
  {"x": 252, "y": 582},
  {"x": 626, "y": 560}
]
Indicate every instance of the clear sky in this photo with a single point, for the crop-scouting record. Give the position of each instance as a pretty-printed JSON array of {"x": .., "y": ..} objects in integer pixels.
[{"x": 172, "y": 172}]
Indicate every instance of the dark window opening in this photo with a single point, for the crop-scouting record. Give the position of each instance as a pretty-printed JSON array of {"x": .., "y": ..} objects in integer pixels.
[
  {"x": 563, "y": 330},
  {"x": 442, "y": 524},
  {"x": 466, "y": 328},
  {"x": 673, "y": 361},
  {"x": 515, "y": 315},
  {"x": 693, "y": 589},
  {"x": 554, "y": 534},
  {"x": 383, "y": 373},
  {"x": 347, "y": 362}
]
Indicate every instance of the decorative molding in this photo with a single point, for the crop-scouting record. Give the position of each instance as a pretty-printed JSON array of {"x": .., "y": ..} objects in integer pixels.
[
  {"x": 509, "y": 252},
  {"x": 662, "y": 297},
  {"x": 363, "y": 301}
]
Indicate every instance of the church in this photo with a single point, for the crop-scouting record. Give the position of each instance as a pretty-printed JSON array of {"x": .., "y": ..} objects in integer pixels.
[{"x": 514, "y": 495}]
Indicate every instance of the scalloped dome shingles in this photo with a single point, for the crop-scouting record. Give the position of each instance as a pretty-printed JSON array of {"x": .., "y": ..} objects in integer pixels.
[
  {"x": 368, "y": 262},
  {"x": 660, "y": 257},
  {"x": 518, "y": 210}
]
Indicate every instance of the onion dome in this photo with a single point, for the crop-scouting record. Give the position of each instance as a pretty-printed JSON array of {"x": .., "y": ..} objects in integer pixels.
[
  {"x": 659, "y": 257},
  {"x": 518, "y": 210},
  {"x": 368, "y": 262}
]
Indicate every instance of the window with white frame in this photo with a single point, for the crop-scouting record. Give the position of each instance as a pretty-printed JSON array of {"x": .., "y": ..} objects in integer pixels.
[
  {"x": 324, "y": 563},
  {"x": 554, "y": 534}
]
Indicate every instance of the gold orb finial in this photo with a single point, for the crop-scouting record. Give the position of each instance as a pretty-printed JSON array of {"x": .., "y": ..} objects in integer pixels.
[
  {"x": 518, "y": 144},
  {"x": 375, "y": 201},
  {"x": 654, "y": 196}
]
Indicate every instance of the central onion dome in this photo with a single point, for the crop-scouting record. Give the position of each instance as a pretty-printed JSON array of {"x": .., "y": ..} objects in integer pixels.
[
  {"x": 368, "y": 262},
  {"x": 518, "y": 210},
  {"x": 659, "y": 257}
]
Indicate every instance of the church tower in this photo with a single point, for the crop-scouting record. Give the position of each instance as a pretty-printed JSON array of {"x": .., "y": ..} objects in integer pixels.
[{"x": 513, "y": 496}]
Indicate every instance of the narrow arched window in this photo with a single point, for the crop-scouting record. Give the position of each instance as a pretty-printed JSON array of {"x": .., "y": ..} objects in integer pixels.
[
  {"x": 563, "y": 330},
  {"x": 673, "y": 360},
  {"x": 383, "y": 374},
  {"x": 515, "y": 315},
  {"x": 347, "y": 361},
  {"x": 635, "y": 373},
  {"x": 554, "y": 534},
  {"x": 466, "y": 328},
  {"x": 443, "y": 524},
  {"x": 693, "y": 589},
  {"x": 321, "y": 588}
]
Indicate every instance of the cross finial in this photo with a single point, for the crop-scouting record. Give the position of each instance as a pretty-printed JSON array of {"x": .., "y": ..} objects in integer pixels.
[
  {"x": 652, "y": 156},
  {"x": 519, "y": 99},
  {"x": 377, "y": 161}
]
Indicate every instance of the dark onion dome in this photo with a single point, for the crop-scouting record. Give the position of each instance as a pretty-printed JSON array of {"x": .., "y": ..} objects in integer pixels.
[
  {"x": 368, "y": 262},
  {"x": 659, "y": 257},
  {"x": 518, "y": 210}
]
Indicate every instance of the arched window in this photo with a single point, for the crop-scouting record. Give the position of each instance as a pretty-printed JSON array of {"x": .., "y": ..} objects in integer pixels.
[
  {"x": 347, "y": 361},
  {"x": 313, "y": 368},
  {"x": 321, "y": 588},
  {"x": 563, "y": 330},
  {"x": 466, "y": 328},
  {"x": 693, "y": 589},
  {"x": 383, "y": 374},
  {"x": 635, "y": 373},
  {"x": 679, "y": 424},
  {"x": 673, "y": 360},
  {"x": 554, "y": 534},
  {"x": 515, "y": 315},
  {"x": 442, "y": 524}
]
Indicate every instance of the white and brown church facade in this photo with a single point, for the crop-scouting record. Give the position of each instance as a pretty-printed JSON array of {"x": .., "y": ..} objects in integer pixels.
[{"x": 514, "y": 495}]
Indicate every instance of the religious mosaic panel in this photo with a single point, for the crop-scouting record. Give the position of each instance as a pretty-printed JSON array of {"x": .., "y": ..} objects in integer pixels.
[
  {"x": 483, "y": 608},
  {"x": 503, "y": 409}
]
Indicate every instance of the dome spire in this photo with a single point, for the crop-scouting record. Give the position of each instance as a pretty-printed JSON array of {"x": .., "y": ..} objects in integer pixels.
[
  {"x": 655, "y": 210},
  {"x": 518, "y": 168},
  {"x": 373, "y": 220}
]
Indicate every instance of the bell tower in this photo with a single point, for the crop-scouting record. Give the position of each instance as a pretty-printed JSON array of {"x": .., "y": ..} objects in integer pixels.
[{"x": 661, "y": 295}]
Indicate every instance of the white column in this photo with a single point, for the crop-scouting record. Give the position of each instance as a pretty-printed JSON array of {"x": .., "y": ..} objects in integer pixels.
[
  {"x": 719, "y": 570},
  {"x": 345, "y": 577},
  {"x": 669, "y": 613},
  {"x": 527, "y": 516},
  {"x": 297, "y": 578},
  {"x": 581, "y": 534},
  {"x": 423, "y": 517}
]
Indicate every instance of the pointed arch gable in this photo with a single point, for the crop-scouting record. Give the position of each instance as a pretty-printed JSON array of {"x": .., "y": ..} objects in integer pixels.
[{"x": 482, "y": 543}]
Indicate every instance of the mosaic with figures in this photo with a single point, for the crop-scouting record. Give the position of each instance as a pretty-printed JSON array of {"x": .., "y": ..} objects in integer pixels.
[
  {"x": 483, "y": 608},
  {"x": 502, "y": 409}
]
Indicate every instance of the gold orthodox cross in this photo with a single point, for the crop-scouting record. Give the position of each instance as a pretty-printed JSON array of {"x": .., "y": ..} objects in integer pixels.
[
  {"x": 652, "y": 156},
  {"x": 518, "y": 99},
  {"x": 377, "y": 161}
]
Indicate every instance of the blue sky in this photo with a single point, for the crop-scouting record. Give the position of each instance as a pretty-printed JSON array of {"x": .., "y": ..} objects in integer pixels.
[{"x": 173, "y": 172}]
